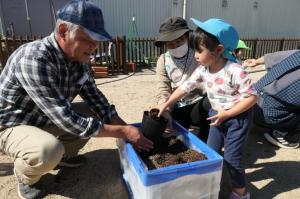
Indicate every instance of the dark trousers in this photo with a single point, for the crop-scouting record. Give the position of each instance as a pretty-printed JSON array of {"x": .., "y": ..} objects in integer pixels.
[
  {"x": 291, "y": 125},
  {"x": 196, "y": 115},
  {"x": 232, "y": 135}
]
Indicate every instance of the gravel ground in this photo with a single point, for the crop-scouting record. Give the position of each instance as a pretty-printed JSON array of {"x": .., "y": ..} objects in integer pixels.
[{"x": 271, "y": 172}]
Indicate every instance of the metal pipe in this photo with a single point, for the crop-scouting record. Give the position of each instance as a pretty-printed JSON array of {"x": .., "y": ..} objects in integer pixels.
[
  {"x": 28, "y": 17},
  {"x": 2, "y": 20},
  {"x": 52, "y": 12},
  {"x": 184, "y": 9},
  {"x": 12, "y": 29}
]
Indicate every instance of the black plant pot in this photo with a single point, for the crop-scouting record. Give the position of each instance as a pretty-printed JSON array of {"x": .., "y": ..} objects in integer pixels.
[{"x": 153, "y": 127}]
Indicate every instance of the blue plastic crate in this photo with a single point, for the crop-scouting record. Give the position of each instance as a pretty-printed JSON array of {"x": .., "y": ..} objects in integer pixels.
[{"x": 175, "y": 181}]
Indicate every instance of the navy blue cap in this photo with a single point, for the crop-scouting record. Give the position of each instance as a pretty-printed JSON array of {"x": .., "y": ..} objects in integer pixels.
[{"x": 88, "y": 16}]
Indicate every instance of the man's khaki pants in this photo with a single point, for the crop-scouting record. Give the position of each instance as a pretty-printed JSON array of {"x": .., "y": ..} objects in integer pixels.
[{"x": 38, "y": 150}]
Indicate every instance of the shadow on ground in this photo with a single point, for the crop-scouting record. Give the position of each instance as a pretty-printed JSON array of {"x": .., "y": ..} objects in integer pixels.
[
  {"x": 278, "y": 176},
  {"x": 6, "y": 169},
  {"x": 270, "y": 172},
  {"x": 97, "y": 179}
]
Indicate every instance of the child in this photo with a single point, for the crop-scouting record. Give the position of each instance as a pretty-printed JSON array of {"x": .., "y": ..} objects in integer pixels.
[
  {"x": 239, "y": 51},
  {"x": 230, "y": 92}
]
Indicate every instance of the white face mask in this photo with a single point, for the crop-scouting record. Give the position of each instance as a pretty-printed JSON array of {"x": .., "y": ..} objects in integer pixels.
[{"x": 179, "y": 51}]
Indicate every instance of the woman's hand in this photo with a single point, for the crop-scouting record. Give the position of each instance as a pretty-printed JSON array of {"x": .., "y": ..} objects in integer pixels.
[
  {"x": 162, "y": 107},
  {"x": 167, "y": 114}
]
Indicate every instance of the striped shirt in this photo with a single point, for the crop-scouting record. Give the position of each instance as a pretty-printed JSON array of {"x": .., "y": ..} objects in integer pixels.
[{"x": 38, "y": 85}]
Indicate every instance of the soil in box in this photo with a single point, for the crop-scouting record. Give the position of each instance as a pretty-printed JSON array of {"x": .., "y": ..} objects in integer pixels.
[{"x": 170, "y": 151}]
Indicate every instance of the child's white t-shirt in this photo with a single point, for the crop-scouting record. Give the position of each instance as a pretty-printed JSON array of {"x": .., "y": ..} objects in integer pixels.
[{"x": 225, "y": 88}]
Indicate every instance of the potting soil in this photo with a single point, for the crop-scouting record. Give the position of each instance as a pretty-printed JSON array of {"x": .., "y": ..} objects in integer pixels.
[{"x": 170, "y": 151}]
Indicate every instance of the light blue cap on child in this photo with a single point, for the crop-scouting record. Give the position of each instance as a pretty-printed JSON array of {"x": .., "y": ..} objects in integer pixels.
[{"x": 223, "y": 31}]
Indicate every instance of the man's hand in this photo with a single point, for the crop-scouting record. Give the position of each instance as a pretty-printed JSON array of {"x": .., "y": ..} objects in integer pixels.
[
  {"x": 219, "y": 118},
  {"x": 134, "y": 136}
]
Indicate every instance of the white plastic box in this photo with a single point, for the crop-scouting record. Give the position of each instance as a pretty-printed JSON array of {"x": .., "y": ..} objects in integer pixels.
[{"x": 199, "y": 180}]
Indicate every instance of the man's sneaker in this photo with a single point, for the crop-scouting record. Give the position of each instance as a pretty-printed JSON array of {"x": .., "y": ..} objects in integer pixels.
[
  {"x": 29, "y": 191},
  {"x": 76, "y": 161},
  {"x": 279, "y": 139},
  {"x": 234, "y": 195}
]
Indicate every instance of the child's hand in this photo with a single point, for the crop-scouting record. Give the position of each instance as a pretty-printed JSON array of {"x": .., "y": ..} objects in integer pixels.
[{"x": 220, "y": 117}]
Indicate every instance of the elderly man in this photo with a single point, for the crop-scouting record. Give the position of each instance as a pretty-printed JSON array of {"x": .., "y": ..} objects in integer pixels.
[
  {"x": 278, "y": 105},
  {"x": 39, "y": 126}
]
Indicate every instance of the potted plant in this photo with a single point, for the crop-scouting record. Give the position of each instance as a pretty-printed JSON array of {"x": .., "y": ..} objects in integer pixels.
[
  {"x": 150, "y": 61},
  {"x": 99, "y": 71},
  {"x": 131, "y": 67},
  {"x": 153, "y": 61}
]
